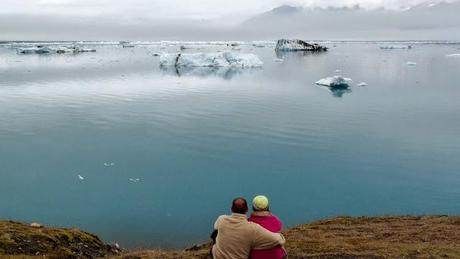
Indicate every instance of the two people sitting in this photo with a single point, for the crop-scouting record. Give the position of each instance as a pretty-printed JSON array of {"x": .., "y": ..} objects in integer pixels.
[{"x": 257, "y": 237}]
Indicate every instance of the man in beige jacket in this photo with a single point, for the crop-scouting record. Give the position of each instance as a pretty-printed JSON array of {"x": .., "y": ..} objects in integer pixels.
[{"x": 236, "y": 236}]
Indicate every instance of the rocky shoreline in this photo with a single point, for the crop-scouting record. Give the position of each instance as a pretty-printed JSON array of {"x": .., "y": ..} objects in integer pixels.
[{"x": 341, "y": 237}]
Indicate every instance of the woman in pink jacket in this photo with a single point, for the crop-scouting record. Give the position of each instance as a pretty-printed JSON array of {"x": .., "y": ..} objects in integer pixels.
[{"x": 266, "y": 219}]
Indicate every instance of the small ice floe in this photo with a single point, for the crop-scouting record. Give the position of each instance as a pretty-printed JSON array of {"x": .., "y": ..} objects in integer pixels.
[
  {"x": 86, "y": 50},
  {"x": 218, "y": 59},
  {"x": 81, "y": 177},
  {"x": 411, "y": 63},
  {"x": 338, "y": 71},
  {"x": 279, "y": 60},
  {"x": 396, "y": 47},
  {"x": 108, "y": 164},
  {"x": 126, "y": 44},
  {"x": 455, "y": 55},
  {"x": 335, "y": 82},
  {"x": 134, "y": 180},
  {"x": 362, "y": 84},
  {"x": 298, "y": 45}
]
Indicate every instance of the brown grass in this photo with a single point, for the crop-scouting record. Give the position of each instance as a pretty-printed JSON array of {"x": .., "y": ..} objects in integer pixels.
[
  {"x": 20, "y": 240},
  {"x": 342, "y": 237},
  {"x": 364, "y": 237}
]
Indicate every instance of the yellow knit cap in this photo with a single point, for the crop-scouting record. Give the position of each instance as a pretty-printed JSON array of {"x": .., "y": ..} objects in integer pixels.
[{"x": 260, "y": 202}]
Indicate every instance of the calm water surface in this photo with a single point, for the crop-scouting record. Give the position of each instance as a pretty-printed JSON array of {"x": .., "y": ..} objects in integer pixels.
[{"x": 195, "y": 139}]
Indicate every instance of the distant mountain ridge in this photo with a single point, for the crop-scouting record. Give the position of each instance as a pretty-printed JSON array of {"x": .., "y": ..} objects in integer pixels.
[{"x": 424, "y": 21}]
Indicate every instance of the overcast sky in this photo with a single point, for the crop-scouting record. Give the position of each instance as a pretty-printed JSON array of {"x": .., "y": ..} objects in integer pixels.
[
  {"x": 132, "y": 10},
  {"x": 163, "y": 19}
]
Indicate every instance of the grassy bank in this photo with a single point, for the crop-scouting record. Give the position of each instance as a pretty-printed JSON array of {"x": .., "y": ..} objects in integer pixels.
[
  {"x": 20, "y": 240},
  {"x": 342, "y": 237}
]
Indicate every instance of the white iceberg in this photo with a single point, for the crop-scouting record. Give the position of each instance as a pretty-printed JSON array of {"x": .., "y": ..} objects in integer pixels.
[
  {"x": 81, "y": 177},
  {"x": 396, "y": 47},
  {"x": 335, "y": 81},
  {"x": 219, "y": 59},
  {"x": 453, "y": 55},
  {"x": 126, "y": 44},
  {"x": 278, "y": 60},
  {"x": 258, "y": 45},
  {"x": 297, "y": 45},
  {"x": 36, "y": 50},
  {"x": 411, "y": 63},
  {"x": 53, "y": 50},
  {"x": 362, "y": 84},
  {"x": 134, "y": 180}
]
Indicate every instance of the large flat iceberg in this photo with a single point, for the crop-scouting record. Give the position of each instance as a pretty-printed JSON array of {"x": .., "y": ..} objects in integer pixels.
[
  {"x": 218, "y": 59},
  {"x": 53, "y": 50}
]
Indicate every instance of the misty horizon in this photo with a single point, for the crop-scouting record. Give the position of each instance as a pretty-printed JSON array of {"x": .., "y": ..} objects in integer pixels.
[{"x": 67, "y": 20}]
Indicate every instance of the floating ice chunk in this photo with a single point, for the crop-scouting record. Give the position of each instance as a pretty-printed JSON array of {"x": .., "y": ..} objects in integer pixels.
[
  {"x": 81, "y": 177},
  {"x": 201, "y": 60},
  {"x": 108, "y": 164},
  {"x": 297, "y": 45},
  {"x": 411, "y": 63},
  {"x": 134, "y": 180},
  {"x": 36, "y": 50},
  {"x": 334, "y": 81},
  {"x": 168, "y": 59},
  {"x": 338, "y": 71},
  {"x": 396, "y": 47},
  {"x": 53, "y": 50},
  {"x": 242, "y": 59},
  {"x": 126, "y": 44},
  {"x": 362, "y": 84},
  {"x": 278, "y": 59},
  {"x": 219, "y": 59},
  {"x": 453, "y": 55},
  {"x": 86, "y": 50}
]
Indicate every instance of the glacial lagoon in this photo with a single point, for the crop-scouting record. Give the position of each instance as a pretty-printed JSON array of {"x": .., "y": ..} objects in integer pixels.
[{"x": 148, "y": 157}]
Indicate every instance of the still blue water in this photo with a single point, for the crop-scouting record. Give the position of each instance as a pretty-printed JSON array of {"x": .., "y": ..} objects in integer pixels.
[{"x": 196, "y": 139}]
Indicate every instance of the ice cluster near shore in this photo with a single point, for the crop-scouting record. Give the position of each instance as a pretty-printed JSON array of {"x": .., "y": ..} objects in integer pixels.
[{"x": 218, "y": 59}]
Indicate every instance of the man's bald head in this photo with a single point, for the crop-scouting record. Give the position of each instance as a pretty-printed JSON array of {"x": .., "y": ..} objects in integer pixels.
[{"x": 239, "y": 205}]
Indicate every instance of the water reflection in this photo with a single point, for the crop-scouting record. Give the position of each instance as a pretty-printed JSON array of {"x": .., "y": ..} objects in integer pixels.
[
  {"x": 222, "y": 72},
  {"x": 283, "y": 54},
  {"x": 337, "y": 91}
]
